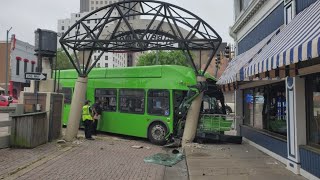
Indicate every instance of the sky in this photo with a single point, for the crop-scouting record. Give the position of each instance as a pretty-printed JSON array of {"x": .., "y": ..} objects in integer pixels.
[{"x": 25, "y": 16}]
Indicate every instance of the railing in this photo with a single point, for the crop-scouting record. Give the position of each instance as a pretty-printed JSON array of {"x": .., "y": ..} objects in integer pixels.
[{"x": 217, "y": 122}]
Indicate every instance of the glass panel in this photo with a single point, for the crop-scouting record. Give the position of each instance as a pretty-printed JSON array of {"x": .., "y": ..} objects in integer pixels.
[
  {"x": 158, "y": 102},
  {"x": 265, "y": 108},
  {"x": 277, "y": 121},
  {"x": 132, "y": 101},
  {"x": 258, "y": 108},
  {"x": 314, "y": 120},
  {"x": 67, "y": 95},
  {"x": 248, "y": 107},
  {"x": 108, "y": 99}
]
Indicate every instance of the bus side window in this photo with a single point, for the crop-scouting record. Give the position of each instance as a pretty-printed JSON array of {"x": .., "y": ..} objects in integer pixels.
[
  {"x": 132, "y": 101},
  {"x": 158, "y": 102},
  {"x": 108, "y": 99},
  {"x": 67, "y": 95}
]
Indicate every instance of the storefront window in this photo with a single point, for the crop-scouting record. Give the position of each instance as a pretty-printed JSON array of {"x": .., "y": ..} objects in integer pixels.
[
  {"x": 248, "y": 107},
  {"x": 265, "y": 108},
  {"x": 314, "y": 110},
  {"x": 258, "y": 107}
]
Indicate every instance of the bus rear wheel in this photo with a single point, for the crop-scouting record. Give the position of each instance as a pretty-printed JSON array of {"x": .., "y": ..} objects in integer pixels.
[{"x": 157, "y": 133}]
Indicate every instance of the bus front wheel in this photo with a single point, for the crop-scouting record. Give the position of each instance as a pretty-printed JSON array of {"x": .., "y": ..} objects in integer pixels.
[{"x": 157, "y": 133}]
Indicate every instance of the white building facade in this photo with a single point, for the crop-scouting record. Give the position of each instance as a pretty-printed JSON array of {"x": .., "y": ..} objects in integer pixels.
[{"x": 108, "y": 59}]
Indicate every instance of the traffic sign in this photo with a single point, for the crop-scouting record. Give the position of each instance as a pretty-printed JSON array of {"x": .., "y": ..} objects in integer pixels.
[{"x": 35, "y": 76}]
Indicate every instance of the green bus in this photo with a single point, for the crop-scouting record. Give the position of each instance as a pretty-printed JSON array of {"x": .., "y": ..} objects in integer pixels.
[{"x": 142, "y": 101}]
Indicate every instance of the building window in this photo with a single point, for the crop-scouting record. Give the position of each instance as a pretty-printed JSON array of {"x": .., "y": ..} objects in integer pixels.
[
  {"x": 18, "y": 68},
  {"x": 108, "y": 99},
  {"x": 101, "y": 2},
  {"x": 132, "y": 101},
  {"x": 241, "y": 5},
  {"x": 32, "y": 67},
  {"x": 289, "y": 9},
  {"x": 62, "y": 28},
  {"x": 313, "y": 110},
  {"x": 88, "y": 21},
  {"x": 158, "y": 102},
  {"x": 25, "y": 66},
  {"x": 265, "y": 108},
  {"x": 92, "y": 2},
  {"x": 105, "y": 64},
  {"x": 106, "y": 57},
  {"x": 92, "y": 8},
  {"x": 97, "y": 2},
  {"x": 98, "y": 64}
]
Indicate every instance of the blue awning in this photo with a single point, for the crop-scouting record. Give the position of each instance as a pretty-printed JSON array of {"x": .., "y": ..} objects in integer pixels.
[
  {"x": 234, "y": 71},
  {"x": 297, "y": 41}
]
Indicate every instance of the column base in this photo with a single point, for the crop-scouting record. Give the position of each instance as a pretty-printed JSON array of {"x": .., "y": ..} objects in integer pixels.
[{"x": 293, "y": 167}]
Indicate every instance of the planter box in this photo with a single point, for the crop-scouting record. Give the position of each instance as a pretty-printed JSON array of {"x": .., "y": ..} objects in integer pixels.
[{"x": 29, "y": 130}]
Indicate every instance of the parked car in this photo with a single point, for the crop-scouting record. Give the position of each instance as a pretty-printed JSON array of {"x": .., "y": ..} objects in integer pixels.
[{"x": 7, "y": 100}]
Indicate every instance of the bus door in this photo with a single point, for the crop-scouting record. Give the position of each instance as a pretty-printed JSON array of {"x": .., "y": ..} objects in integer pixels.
[{"x": 67, "y": 91}]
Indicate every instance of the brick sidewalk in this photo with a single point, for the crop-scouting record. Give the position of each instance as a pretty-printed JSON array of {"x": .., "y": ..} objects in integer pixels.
[{"x": 104, "y": 158}]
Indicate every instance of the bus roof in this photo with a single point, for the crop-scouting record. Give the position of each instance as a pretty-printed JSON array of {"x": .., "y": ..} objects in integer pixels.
[
  {"x": 128, "y": 72},
  {"x": 157, "y": 76}
]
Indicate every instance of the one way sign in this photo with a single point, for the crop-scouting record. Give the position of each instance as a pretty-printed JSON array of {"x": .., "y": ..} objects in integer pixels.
[{"x": 35, "y": 76}]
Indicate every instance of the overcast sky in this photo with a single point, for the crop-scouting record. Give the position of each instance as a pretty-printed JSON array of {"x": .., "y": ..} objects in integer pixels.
[{"x": 25, "y": 16}]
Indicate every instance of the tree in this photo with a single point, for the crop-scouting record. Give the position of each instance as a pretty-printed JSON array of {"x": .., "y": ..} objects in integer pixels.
[
  {"x": 62, "y": 60},
  {"x": 163, "y": 58}
]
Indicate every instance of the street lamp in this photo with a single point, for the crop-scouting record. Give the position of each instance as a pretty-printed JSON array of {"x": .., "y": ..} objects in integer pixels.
[{"x": 7, "y": 61}]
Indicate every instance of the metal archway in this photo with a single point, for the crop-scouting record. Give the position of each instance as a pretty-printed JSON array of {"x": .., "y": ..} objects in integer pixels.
[{"x": 137, "y": 25}]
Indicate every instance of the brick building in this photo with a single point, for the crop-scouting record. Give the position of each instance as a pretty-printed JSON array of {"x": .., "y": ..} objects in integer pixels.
[{"x": 21, "y": 59}]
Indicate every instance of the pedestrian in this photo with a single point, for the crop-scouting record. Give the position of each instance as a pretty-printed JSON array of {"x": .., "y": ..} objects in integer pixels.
[
  {"x": 97, "y": 111},
  {"x": 88, "y": 120}
]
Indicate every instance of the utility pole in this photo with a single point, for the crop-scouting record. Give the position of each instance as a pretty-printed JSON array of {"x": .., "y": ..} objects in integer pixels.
[{"x": 7, "y": 61}]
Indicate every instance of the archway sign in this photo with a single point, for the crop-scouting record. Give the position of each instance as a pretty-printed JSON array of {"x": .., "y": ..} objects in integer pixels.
[{"x": 135, "y": 26}]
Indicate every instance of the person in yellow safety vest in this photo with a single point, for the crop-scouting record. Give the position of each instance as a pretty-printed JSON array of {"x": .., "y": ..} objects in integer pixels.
[{"x": 88, "y": 120}]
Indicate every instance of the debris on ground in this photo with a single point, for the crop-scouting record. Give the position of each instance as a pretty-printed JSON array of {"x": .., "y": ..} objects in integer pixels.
[
  {"x": 120, "y": 139},
  {"x": 164, "y": 159},
  {"x": 137, "y": 147},
  {"x": 175, "y": 144},
  {"x": 61, "y": 141},
  {"x": 147, "y": 147},
  {"x": 175, "y": 151},
  {"x": 195, "y": 145},
  {"x": 77, "y": 142}
]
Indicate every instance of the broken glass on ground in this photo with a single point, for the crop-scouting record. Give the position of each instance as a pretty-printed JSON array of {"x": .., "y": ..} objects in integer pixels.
[{"x": 164, "y": 159}]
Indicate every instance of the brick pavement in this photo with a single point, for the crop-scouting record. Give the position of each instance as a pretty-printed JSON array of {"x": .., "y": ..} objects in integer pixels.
[{"x": 110, "y": 158}]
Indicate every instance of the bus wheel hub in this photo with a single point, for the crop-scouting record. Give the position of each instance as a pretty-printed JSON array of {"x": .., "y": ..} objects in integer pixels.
[{"x": 158, "y": 132}]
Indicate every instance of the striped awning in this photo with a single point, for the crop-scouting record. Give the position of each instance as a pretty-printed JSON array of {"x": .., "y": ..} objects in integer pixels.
[
  {"x": 234, "y": 71},
  {"x": 297, "y": 41}
]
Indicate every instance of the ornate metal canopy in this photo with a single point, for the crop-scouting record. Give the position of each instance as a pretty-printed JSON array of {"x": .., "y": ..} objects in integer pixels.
[{"x": 134, "y": 26}]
